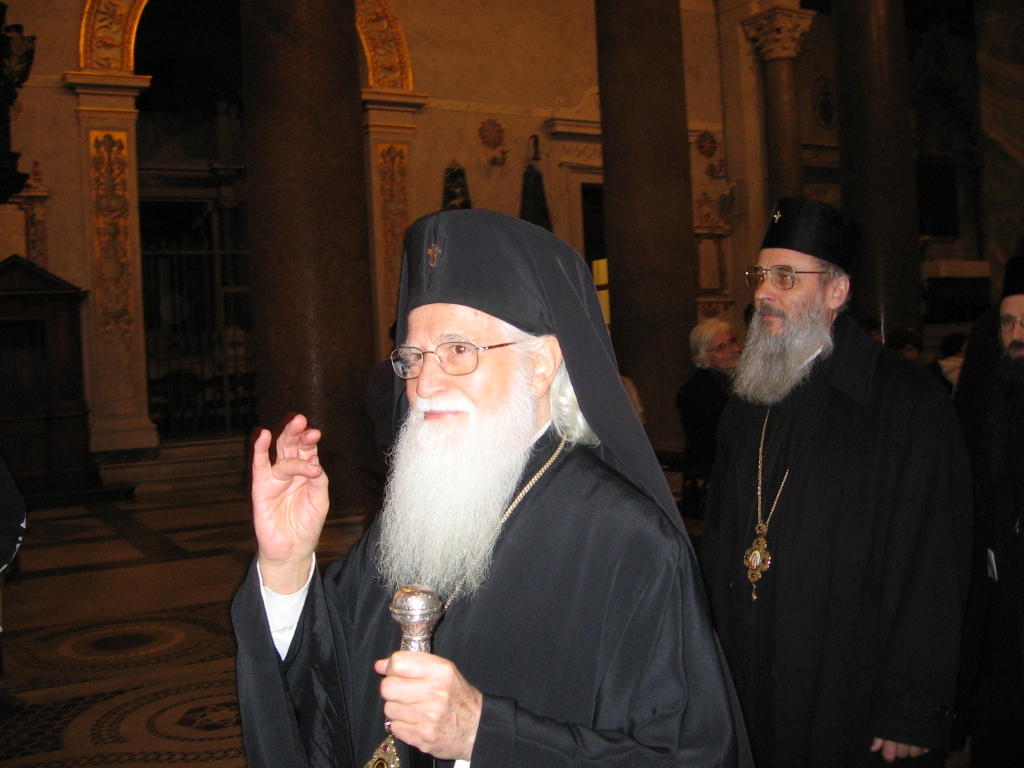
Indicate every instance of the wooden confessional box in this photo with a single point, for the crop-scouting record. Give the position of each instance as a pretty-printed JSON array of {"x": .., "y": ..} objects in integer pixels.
[{"x": 44, "y": 429}]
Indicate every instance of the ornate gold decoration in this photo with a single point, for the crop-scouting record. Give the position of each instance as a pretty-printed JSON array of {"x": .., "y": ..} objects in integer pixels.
[
  {"x": 114, "y": 289},
  {"x": 387, "y": 53},
  {"x": 778, "y": 32},
  {"x": 433, "y": 251},
  {"x": 107, "y": 37},
  {"x": 757, "y": 558},
  {"x": 32, "y": 202},
  {"x": 492, "y": 136},
  {"x": 393, "y": 171}
]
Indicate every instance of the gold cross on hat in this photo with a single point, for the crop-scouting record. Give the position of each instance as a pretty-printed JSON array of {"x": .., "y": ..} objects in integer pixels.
[
  {"x": 433, "y": 251},
  {"x": 777, "y": 216}
]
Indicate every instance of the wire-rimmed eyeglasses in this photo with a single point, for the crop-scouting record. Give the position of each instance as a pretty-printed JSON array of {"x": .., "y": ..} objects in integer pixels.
[
  {"x": 456, "y": 358},
  {"x": 726, "y": 345},
  {"x": 782, "y": 275},
  {"x": 1007, "y": 323}
]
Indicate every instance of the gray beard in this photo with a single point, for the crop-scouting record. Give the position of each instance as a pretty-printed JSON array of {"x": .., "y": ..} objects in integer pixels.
[
  {"x": 771, "y": 366},
  {"x": 448, "y": 489}
]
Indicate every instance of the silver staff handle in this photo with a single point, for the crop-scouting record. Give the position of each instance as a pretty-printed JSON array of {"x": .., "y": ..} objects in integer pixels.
[{"x": 417, "y": 609}]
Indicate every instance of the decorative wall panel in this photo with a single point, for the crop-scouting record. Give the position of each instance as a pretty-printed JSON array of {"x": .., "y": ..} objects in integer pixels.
[
  {"x": 393, "y": 174},
  {"x": 114, "y": 291}
]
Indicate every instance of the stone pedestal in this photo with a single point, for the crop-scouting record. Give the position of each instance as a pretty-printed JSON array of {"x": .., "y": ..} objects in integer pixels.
[
  {"x": 313, "y": 311},
  {"x": 877, "y": 158},
  {"x": 648, "y": 209},
  {"x": 776, "y": 35}
]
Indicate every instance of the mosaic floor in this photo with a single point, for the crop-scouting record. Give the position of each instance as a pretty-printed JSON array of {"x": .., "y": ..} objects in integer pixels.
[{"x": 118, "y": 649}]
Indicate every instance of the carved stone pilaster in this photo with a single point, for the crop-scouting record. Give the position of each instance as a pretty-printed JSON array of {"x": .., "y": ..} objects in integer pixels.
[
  {"x": 31, "y": 201},
  {"x": 114, "y": 335},
  {"x": 392, "y": 166},
  {"x": 778, "y": 32},
  {"x": 115, "y": 277}
]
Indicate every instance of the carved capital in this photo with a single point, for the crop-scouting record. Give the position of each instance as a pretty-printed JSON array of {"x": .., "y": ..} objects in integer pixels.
[{"x": 778, "y": 32}]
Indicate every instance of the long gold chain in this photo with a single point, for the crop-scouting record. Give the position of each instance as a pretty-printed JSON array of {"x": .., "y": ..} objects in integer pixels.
[
  {"x": 757, "y": 558},
  {"x": 508, "y": 513},
  {"x": 386, "y": 755}
]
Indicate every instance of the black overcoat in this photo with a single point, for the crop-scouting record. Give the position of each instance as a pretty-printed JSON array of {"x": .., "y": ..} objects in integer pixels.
[{"x": 871, "y": 571}]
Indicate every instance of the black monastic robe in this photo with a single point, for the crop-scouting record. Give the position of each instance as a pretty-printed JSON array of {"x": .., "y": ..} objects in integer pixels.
[
  {"x": 856, "y": 628},
  {"x": 588, "y": 640}
]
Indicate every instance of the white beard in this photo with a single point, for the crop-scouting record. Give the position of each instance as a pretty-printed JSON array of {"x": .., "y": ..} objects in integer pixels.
[
  {"x": 449, "y": 487},
  {"x": 772, "y": 365}
]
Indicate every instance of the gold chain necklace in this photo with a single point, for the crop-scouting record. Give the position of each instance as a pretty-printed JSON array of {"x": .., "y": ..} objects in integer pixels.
[
  {"x": 386, "y": 755},
  {"x": 757, "y": 558},
  {"x": 508, "y": 513}
]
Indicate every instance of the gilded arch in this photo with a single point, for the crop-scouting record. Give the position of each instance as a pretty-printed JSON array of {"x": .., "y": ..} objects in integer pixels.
[{"x": 107, "y": 40}]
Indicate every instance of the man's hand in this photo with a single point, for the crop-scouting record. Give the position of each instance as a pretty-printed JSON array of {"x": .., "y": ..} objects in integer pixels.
[
  {"x": 290, "y": 504},
  {"x": 430, "y": 704},
  {"x": 892, "y": 749}
]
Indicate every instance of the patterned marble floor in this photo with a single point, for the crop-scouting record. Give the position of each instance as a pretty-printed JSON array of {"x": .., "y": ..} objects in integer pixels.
[{"x": 117, "y": 647}]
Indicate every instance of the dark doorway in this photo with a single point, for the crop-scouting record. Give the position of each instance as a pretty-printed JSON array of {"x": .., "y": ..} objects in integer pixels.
[{"x": 196, "y": 280}]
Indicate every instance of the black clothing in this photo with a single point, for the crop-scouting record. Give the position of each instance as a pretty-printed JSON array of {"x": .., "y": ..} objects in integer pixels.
[
  {"x": 855, "y": 632},
  {"x": 13, "y": 517},
  {"x": 701, "y": 401},
  {"x": 589, "y": 641},
  {"x": 992, "y": 681}
]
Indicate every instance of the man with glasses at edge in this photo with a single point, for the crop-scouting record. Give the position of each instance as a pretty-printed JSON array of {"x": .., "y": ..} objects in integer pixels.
[
  {"x": 523, "y": 490},
  {"x": 837, "y": 530},
  {"x": 993, "y": 417}
]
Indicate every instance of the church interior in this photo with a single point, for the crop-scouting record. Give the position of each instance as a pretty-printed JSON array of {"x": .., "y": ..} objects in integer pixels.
[{"x": 203, "y": 208}]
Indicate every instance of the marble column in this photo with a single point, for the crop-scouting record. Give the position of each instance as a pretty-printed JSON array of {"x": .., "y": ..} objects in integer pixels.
[
  {"x": 648, "y": 210},
  {"x": 776, "y": 35},
  {"x": 877, "y": 158},
  {"x": 308, "y": 226}
]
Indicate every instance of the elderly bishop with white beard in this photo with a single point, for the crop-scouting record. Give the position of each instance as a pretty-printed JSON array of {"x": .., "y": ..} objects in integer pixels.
[
  {"x": 837, "y": 532},
  {"x": 524, "y": 492}
]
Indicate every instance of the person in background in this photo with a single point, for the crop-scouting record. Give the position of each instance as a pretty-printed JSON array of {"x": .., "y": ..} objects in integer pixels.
[
  {"x": 380, "y": 387},
  {"x": 13, "y": 517},
  {"x": 700, "y": 400},
  {"x": 954, "y": 348},
  {"x": 907, "y": 342},
  {"x": 13, "y": 521},
  {"x": 997, "y": 701},
  {"x": 837, "y": 530}
]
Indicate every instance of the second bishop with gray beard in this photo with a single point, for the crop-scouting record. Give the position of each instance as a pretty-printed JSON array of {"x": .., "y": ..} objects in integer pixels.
[{"x": 836, "y": 538}]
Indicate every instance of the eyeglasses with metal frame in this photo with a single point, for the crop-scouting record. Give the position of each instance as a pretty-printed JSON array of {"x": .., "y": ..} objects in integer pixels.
[
  {"x": 730, "y": 344},
  {"x": 1007, "y": 322},
  {"x": 456, "y": 358},
  {"x": 782, "y": 275}
]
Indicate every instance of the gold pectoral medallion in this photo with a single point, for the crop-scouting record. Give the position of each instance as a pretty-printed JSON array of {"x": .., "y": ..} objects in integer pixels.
[
  {"x": 385, "y": 756},
  {"x": 757, "y": 558}
]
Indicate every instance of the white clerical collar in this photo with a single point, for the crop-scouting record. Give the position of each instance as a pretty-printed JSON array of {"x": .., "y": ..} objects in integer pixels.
[{"x": 543, "y": 430}]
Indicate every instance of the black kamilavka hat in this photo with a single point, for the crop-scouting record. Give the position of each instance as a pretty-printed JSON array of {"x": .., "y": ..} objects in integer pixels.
[
  {"x": 1013, "y": 277},
  {"x": 815, "y": 228}
]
